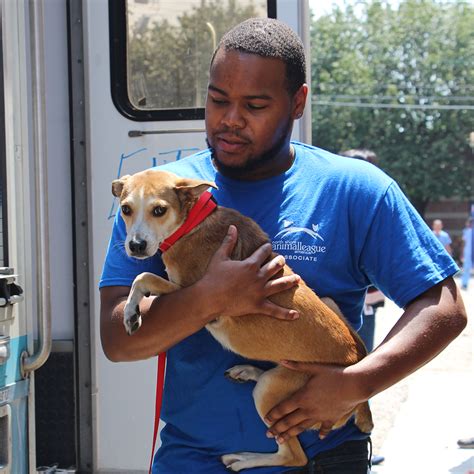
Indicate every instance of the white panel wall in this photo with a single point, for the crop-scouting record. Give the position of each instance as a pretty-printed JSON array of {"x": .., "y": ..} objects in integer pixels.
[{"x": 123, "y": 393}]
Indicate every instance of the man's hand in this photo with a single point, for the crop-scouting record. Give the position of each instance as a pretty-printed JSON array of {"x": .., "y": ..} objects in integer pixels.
[
  {"x": 243, "y": 287},
  {"x": 329, "y": 394}
]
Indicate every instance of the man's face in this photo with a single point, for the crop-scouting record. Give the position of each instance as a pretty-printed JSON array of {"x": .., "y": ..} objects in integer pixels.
[
  {"x": 249, "y": 114},
  {"x": 437, "y": 226}
]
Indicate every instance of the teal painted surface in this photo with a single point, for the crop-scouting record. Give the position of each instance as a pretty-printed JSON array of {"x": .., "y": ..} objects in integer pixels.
[
  {"x": 10, "y": 372},
  {"x": 19, "y": 425},
  {"x": 15, "y": 421}
]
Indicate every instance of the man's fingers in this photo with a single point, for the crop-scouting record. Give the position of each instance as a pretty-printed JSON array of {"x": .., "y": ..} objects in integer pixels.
[
  {"x": 324, "y": 430},
  {"x": 278, "y": 312},
  {"x": 281, "y": 410},
  {"x": 280, "y": 284},
  {"x": 285, "y": 427},
  {"x": 228, "y": 243},
  {"x": 261, "y": 254},
  {"x": 293, "y": 431},
  {"x": 273, "y": 266}
]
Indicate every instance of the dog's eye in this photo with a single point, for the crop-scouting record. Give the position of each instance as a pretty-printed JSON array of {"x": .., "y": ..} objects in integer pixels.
[
  {"x": 158, "y": 211},
  {"x": 126, "y": 211}
]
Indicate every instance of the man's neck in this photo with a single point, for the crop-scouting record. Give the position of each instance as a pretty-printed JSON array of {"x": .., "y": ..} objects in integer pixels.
[{"x": 268, "y": 169}]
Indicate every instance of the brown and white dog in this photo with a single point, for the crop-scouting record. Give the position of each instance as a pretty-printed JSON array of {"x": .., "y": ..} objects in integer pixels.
[{"x": 154, "y": 204}]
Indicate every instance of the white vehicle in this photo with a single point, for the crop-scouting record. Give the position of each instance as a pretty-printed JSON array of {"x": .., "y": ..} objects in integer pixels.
[{"x": 85, "y": 99}]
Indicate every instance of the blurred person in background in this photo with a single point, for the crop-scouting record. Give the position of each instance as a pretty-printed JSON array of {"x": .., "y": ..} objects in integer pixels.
[
  {"x": 442, "y": 235},
  {"x": 467, "y": 253}
]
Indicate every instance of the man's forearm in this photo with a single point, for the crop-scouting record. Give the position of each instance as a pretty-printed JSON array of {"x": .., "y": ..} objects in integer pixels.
[
  {"x": 427, "y": 326},
  {"x": 165, "y": 321}
]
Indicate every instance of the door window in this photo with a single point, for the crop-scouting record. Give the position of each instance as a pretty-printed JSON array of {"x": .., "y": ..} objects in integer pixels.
[{"x": 161, "y": 49}]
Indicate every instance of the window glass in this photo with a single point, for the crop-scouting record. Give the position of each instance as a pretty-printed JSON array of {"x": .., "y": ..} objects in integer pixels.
[{"x": 169, "y": 46}]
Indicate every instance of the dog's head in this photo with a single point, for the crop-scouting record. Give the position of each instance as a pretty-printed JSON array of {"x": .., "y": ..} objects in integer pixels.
[{"x": 153, "y": 205}]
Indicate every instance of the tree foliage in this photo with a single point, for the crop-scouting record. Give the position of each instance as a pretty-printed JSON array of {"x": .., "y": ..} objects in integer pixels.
[{"x": 399, "y": 81}]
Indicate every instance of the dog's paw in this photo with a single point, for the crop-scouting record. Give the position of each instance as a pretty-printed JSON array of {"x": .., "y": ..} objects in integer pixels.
[
  {"x": 243, "y": 373},
  {"x": 232, "y": 462},
  {"x": 237, "y": 461},
  {"x": 132, "y": 319}
]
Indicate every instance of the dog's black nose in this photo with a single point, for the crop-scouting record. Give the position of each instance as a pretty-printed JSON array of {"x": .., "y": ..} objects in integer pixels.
[{"x": 137, "y": 246}]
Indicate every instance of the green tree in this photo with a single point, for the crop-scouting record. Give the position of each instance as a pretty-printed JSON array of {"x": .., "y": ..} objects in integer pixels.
[
  {"x": 401, "y": 82},
  {"x": 169, "y": 63}
]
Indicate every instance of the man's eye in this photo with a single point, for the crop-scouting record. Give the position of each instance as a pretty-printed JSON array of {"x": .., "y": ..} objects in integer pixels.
[
  {"x": 256, "y": 106},
  {"x": 158, "y": 211},
  {"x": 126, "y": 211},
  {"x": 218, "y": 101}
]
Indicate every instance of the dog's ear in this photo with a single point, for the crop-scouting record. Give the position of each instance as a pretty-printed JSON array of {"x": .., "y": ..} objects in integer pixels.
[
  {"x": 191, "y": 189},
  {"x": 117, "y": 185}
]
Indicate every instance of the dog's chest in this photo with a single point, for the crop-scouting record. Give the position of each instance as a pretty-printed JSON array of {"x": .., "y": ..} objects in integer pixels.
[
  {"x": 219, "y": 330},
  {"x": 173, "y": 274},
  {"x": 183, "y": 271}
]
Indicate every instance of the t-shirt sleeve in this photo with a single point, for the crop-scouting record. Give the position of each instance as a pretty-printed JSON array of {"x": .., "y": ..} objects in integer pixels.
[
  {"x": 401, "y": 256},
  {"x": 120, "y": 269}
]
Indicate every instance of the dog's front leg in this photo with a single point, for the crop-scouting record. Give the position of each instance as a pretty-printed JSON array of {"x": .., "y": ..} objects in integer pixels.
[{"x": 145, "y": 284}]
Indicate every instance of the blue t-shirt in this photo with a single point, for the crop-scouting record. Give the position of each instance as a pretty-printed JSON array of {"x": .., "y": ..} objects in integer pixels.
[{"x": 342, "y": 224}]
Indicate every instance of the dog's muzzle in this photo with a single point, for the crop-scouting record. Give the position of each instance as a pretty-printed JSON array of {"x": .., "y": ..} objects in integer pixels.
[{"x": 137, "y": 247}]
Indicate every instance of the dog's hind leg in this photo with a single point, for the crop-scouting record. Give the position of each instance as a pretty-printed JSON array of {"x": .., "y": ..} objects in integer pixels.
[
  {"x": 273, "y": 386},
  {"x": 244, "y": 373},
  {"x": 363, "y": 417}
]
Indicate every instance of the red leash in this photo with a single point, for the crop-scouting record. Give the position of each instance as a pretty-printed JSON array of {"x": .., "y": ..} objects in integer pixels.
[
  {"x": 160, "y": 383},
  {"x": 203, "y": 207}
]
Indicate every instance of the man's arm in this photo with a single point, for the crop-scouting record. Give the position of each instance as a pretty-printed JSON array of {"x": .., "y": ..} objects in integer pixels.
[
  {"x": 229, "y": 288},
  {"x": 428, "y": 325}
]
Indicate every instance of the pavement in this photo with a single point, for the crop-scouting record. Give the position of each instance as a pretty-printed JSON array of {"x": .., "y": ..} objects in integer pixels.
[{"x": 419, "y": 420}]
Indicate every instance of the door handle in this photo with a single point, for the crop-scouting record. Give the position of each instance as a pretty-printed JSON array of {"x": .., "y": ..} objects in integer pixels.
[
  {"x": 10, "y": 292},
  {"x": 140, "y": 133},
  {"x": 36, "y": 360}
]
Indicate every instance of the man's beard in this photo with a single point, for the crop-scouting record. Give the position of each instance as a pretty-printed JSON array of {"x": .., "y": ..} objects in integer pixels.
[{"x": 252, "y": 163}]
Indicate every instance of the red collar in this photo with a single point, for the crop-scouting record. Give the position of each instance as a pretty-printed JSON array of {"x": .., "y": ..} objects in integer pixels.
[{"x": 203, "y": 207}]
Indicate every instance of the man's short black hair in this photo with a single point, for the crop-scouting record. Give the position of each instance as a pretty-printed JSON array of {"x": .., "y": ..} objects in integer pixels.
[{"x": 269, "y": 38}]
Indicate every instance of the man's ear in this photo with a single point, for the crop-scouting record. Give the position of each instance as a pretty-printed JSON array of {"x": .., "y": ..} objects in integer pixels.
[
  {"x": 191, "y": 189},
  {"x": 299, "y": 101},
  {"x": 117, "y": 185}
]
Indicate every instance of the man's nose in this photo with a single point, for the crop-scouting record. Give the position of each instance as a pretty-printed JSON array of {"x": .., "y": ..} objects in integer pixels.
[
  {"x": 137, "y": 245},
  {"x": 233, "y": 117}
]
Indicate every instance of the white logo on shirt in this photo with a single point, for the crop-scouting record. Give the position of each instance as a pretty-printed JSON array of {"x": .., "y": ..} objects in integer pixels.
[
  {"x": 289, "y": 229},
  {"x": 293, "y": 248}
]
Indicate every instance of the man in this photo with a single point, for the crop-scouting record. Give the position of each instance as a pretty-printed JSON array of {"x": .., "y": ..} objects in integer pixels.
[
  {"x": 442, "y": 235},
  {"x": 340, "y": 223}
]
